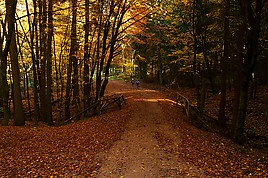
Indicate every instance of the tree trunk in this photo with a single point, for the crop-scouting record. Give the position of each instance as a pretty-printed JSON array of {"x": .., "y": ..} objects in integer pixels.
[
  {"x": 160, "y": 67},
  {"x": 19, "y": 119},
  {"x": 86, "y": 57},
  {"x": 208, "y": 65},
  {"x": 28, "y": 95},
  {"x": 4, "y": 91},
  {"x": 72, "y": 58},
  {"x": 75, "y": 83},
  {"x": 3, "y": 67},
  {"x": 252, "y": 13},
  {"x": 36, "y": 59},
  {"x": 49, "y": 63},
  {"x": 195, "y": 72},
  {"x": 224, "y": 65},
  {"x": 103, "y": 81},
  {"x": 116, "y": 24},
  {"x": 238, "y": 62},
  {"x": 33, "y": 30},
  {"x": 242, "y": 110},
  {"x": 43, "y": 48},
  {"x": 143, "y": 70}
]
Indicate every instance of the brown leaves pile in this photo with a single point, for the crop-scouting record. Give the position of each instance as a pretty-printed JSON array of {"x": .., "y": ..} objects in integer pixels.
[
  {"x": 256, "y": 123},
  {"x": 72, "y": 150},
  {"x": 214, "y": 155},
  {"x": 58, "y": 151}
]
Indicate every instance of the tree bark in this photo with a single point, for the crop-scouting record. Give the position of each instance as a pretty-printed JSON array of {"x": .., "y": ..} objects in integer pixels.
[
  {"x": 72, "y": 59},
  {"x": 195, "y": 71},
  {"x": 43, "y": 48},
  {"x": 75, "y": 82},
  {"x": 33, "y": 31},
  {"x": 252, "y": 14},
  {"x": 49, "y": 63},
  {"x": 224, "y": 65},
  {"x": 19, "y": 119},
  {"x": 86, "y": 57},
  {"x": 116, "y": 24},
  {"x": 3, "y": 68}
]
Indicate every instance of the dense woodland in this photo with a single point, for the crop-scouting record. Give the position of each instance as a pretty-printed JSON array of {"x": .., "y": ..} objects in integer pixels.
[{"x": 58, "y": 56}]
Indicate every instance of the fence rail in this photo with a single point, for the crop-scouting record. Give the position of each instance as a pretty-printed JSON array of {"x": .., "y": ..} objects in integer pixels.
[
  {"x": 193, "y": 114},
  {"x": 185, "y": 102},
  {"x": 101, "y": 104}
]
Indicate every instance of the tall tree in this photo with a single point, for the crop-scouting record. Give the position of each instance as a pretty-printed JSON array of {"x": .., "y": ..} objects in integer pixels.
[
  {"x": 3, "y": 56},
  {"x": 251, "y": 13},
  {"x": 86, "y": 57},
  {"x": 72, "y": 60},
  {"x": 117, "y": 13},
  {"x": 224, "y": 64},
  {"x": 195, "y": 30},
  {"x": 73, "y": 51},
  {"x": 32, "y": 29},
  {"x": 43, "y": 48},
  {"x": 19, "y": 119},
  {"x": 49, "y": 62}
]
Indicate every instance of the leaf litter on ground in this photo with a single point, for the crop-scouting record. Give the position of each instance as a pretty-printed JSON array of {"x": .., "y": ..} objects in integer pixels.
[{"x": 70, "y": 150}]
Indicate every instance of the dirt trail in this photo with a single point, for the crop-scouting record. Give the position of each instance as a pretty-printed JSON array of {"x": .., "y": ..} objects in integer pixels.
[{"x": 146, "y": 147}]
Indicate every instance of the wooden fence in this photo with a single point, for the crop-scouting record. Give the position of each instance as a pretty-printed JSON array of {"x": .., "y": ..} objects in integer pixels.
[
  {"x": 204, "y": 121},
  {"x": 185, "y": 102},
  {"x": 99, "y": 106},
  {"x": 194, "y": 116}
]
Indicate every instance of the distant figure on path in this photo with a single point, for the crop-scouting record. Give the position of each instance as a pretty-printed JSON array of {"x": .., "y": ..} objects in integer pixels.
[
  {"x": 132, "y": 83},
  {"x": 137, "y": 84}
]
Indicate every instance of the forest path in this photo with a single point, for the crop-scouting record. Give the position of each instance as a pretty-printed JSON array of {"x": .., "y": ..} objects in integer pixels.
[
  {"x": 147, "y": 147},
  {"x": 150, "y": 137}
]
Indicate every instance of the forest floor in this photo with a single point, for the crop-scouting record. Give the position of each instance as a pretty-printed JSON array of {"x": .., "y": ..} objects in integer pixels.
[{"x": 150, "y": 137}]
